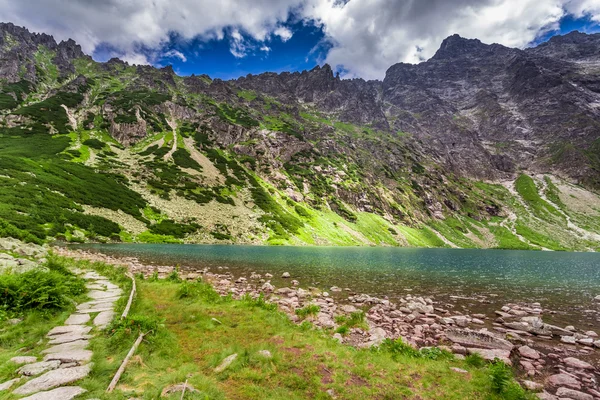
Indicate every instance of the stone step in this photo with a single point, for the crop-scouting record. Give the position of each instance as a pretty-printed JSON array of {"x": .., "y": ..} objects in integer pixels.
[
  {"x": 68, "y": 338},
  {"x": 53, "y": 379},
  {"x": 69, "y": 329},
  {"x": 59, "y": 348},
  {"x": 77, "y": 319},
  {"x": 74, "y": 356},
  {"x": 61, "y": 393},
  {"x": 38, "y": 367},
  {"x": 103, "y": 319}
]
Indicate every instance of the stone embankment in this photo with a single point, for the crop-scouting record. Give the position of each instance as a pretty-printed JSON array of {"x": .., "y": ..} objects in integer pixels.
[{"x": 551, "y": 360}]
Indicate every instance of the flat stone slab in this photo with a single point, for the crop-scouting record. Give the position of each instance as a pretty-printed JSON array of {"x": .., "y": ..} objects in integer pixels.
[
  {"x": 96, "y": 310},
  {"x": 23, "y": 360},
  {"x": 8, "y": 384},
  {"x": 69, "y": 329},
  {"x": 95, "y": 304},
  {"x": 577, "y": 363},
  {"x": 97, "y": 294},
  {"x": 559, "y": 380},
  {"x": 71, "y": 346},
  {"x": 61, "y": 393},
  {"x": 486, "y": 340},
  {"x": 77, "y": 319},
  {"x": 68, "y": 338},
  {"x": 104, "y": 318},
  {"x": 74, "y": 356},
  {"x": 38, "y": 368},
  {"x": 573, "y": 394},
  {"x": 53, "y": 379}
]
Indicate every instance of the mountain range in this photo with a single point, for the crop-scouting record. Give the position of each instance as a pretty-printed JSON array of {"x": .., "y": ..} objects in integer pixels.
[{"x": 481, "y": 146}]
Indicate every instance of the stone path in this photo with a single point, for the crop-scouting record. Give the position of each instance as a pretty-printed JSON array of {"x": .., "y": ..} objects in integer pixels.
[{"x": 67, "y": 359}]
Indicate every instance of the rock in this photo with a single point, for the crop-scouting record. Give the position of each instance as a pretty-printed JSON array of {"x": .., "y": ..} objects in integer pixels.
[
  {"x": 568, "y": 339},
  {"x": 492, "y": 354},
  {"x": 268, "y": 276},
  {"x": 295, "y": 282},
  {"x": 78, "y": 356},
  {"x": 60, "y": 339},
  {"x": 338, "y": 337},
  {"x": 528, "y": 352},
  {"x": 597, "y": 298},
  {"x": 586, "y": 341},
  {"x": 71, "y": 346},
  {"x": 597, "y": 343},
  {"x": 265, "y": 353},
  {"x": 591, "y": 334},
  {"x": 546, "y": 396},
  {"x": 178, "y": 387},
  {"x": 461, "y": 321},
  {"x": 533, "y": 386},
  {"x": 286, "y": 275},
  {"x": 8, "y": 384},
  {"x": 570, "y": 328},
  {"x": 77, "y": 319},
  {"x": 38, "y": 368},
  {"x": 562, "y": 379},
  {"x": 459, "y": 370},
  {"x": 577, "y": 363},
  {"x": 23, "y": 360},
  {"x": 70, "y": 329},
  {"x": 267, "y": 287},
  {"x": 103, "y": 319},
  {"x": 420, "y": 308},
  {"x": 573, "y": 394},
  {"x": 470, "y": 338},
  {"x": 226, "y": 363},
  {"x": 348, "y": 308},
  {"x": 61, "y": 393},
  {"x": 54, "y": 378}
]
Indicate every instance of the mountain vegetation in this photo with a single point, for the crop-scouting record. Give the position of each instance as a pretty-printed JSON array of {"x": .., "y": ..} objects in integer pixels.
[{"x": 482, "y": 146}]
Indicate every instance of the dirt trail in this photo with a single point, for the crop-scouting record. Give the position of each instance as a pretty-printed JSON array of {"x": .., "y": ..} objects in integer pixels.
[
  {"x": 71, "y": 117},
  {"x": 173, "y": 126}
]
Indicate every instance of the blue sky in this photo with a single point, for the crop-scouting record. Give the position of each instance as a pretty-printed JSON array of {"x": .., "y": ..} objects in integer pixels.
[
  {"x": 303, "y": 51},
  {"x": 229, "y": 38}
]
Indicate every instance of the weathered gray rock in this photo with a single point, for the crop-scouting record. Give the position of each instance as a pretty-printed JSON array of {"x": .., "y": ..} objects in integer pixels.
[
  {"x": 23, "y": 360},
  {"x": 470, "y": 338},
  {"x": 77, "y": 319},
  {"x": 8, "y": 384},
  {"x": 103, "y": 319},
  {"x": 69, "y": 329},
  {"x": 285, "y": 275},
  {"x": 265, "y": 354},
  {"x": 71, "y": 346},
  {"x": 78, "y": 356},
  {"x": 226, "y": 363},
  {"x": 573, "y": 394},
  {"x": 38, "y": 368},
  {"x": 61, "y": 393},
  {"x": 559, "y": 380},
  {"x": 178, "y": 388},
  {"x": 53, "y": 379},
  {"x": 67, "y": 338},
  {"x": 568, "y": 339}
]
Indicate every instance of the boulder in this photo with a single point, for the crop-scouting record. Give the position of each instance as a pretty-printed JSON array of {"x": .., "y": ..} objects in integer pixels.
[
  {"x": 573, "y": 394},
  {"x": 577, "y": 363},
  {"x": 492, "y": 354},
  {"x": 470, "y": 338},
  {"x": 533, "y": 386},
  {"x": 528, "y": 352},
  {"x": 562, "y": 379},
  {"x": 286, "y": 275},
  {"x": 568, "y": 339}
]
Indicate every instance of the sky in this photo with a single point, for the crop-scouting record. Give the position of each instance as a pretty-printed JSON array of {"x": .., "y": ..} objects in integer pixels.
[{"x": 231, "y": 38}]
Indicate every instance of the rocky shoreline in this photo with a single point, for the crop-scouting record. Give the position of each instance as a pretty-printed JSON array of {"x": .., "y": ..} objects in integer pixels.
[{"x": 556, "y": 362}]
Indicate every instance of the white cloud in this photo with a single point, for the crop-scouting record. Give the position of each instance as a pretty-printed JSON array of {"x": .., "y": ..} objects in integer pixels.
[
  {"x": 284, "y": 33},
  {"x": 265, "y": 48},
  {"x": 175, "y": 54},
  {"x": 365, "y": 36}
]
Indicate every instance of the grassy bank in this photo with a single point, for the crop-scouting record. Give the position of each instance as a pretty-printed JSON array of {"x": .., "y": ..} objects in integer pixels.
[{"x": 192, "y": 329}]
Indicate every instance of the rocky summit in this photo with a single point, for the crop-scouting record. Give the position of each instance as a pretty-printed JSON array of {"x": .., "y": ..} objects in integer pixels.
[{"x": 480, "y": 146}]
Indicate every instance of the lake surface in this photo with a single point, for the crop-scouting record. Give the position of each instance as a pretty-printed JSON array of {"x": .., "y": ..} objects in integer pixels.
[{"x": 475, "y": 280}]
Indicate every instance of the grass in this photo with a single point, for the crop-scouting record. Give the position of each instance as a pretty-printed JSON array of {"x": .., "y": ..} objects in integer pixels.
[
  {"x": 191, "y": 329},
  {"x": 527, "y": 188}
]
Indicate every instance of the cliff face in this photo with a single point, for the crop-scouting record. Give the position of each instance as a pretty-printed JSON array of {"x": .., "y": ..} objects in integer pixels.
[{"x": 289, "y": 150}]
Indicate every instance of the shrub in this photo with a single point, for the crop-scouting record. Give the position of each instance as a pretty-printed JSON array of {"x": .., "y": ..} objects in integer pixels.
[
  {"x": 259, "y": 302},
  {"x": 475, "y": 360},
  {"x": 198, "y": 291},
  {"x": 170, "y": 228},
  {"x": 94, "y": 144}
]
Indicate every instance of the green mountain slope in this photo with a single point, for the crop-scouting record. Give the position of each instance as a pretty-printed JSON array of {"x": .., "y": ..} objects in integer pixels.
[{"x": 113, "y": 152}]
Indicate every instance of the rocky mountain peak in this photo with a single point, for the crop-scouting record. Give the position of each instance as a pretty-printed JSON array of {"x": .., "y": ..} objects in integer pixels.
[{"x": 456, "y": 46}]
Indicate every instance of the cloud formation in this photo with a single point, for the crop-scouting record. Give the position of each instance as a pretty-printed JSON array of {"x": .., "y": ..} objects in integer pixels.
[{"x": 364, "y": 37}]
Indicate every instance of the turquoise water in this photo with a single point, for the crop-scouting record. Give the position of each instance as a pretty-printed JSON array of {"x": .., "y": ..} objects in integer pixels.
[{"x": 476, "y": 280}]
